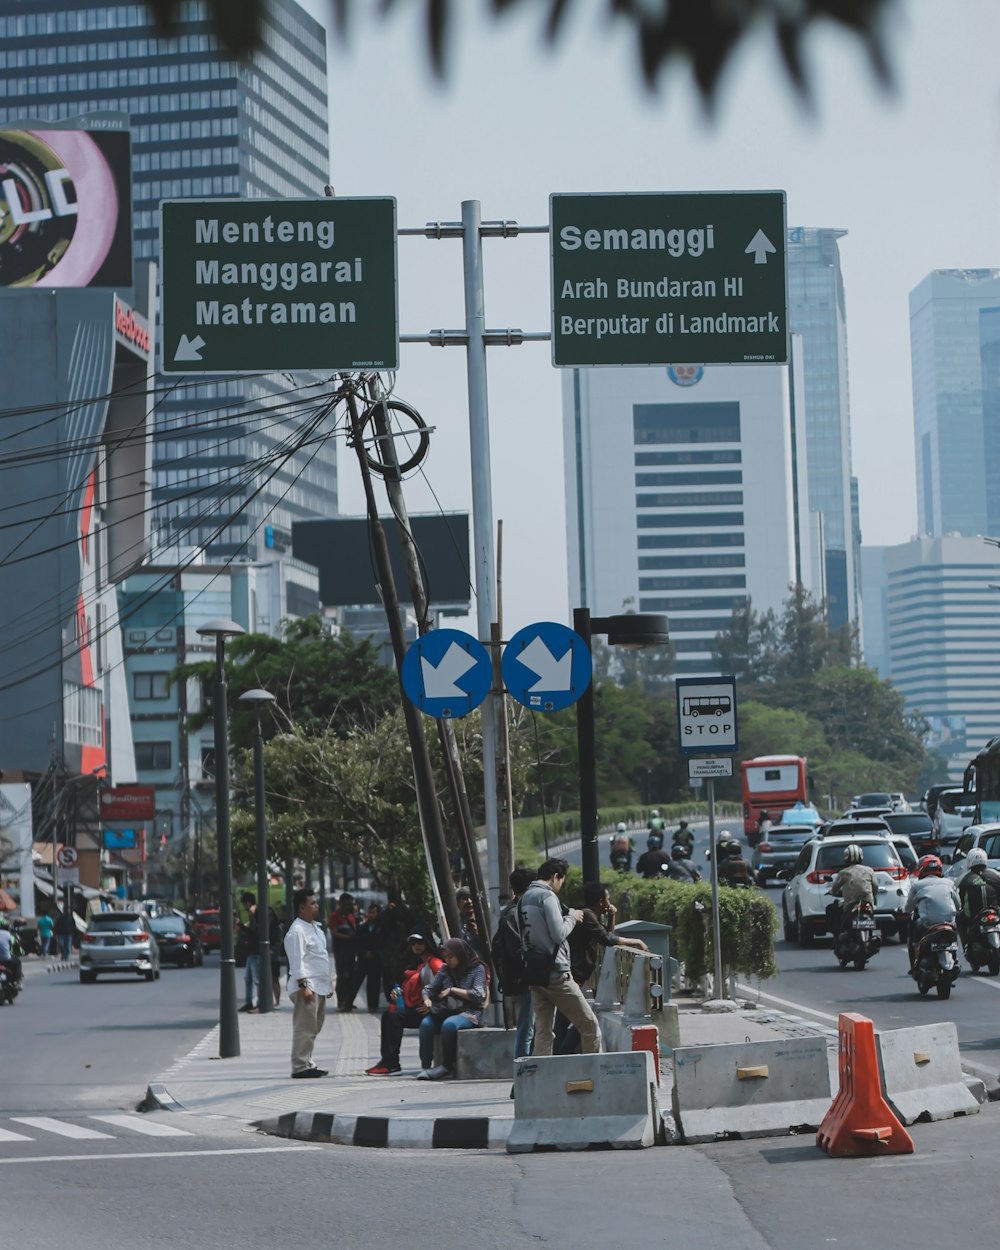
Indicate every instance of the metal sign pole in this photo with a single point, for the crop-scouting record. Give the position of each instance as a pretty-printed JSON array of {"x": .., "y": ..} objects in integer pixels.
[{"x": 718, "y": 990}]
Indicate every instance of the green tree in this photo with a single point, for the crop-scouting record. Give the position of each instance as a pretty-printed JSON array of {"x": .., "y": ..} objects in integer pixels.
[{"x": 748, "y": 649}]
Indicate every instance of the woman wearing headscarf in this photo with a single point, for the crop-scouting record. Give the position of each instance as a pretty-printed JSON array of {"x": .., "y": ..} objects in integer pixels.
[{"x": 455, "y": 1000}]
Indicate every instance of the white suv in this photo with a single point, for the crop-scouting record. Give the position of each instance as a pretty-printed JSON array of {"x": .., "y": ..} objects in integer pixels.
[
  {"x": 955, "y": 812},
  {"x": 806, "y": 896}
]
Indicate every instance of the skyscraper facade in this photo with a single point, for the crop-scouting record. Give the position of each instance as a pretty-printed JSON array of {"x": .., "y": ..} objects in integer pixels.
[
  {"x": 955, "y": 360},
  {"x": 203, "y": 125},
  {"x": 817, "y": 312}
]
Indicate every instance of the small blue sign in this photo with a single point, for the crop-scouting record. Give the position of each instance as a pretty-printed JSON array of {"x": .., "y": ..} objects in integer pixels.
[
  {"x": 447, "y": 673},
  {"x": 546, "y": 666}
]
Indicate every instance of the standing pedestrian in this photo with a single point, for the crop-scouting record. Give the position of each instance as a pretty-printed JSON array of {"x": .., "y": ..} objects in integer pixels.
[
  {"x": 369, "y": 957},
  {"x": 309, "y": 981},
  {"x": 510, "y": 964},
  {"x": 545, "y": 929},
  {"x": 44, "y": 933},
  {"x": 65, "y": 928},
  {"x": 343, "y": 926},
  {"x": 250, "y": 938}
]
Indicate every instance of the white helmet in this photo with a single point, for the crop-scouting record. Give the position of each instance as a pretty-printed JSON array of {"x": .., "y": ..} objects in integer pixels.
[
  {"x": 853, "y": 853},
  {"x": 621, "y": 827},
  {"x": 654, "y": 812},
  {"x": 725, "y": 836},
  {"x": 976, "y": 858}
]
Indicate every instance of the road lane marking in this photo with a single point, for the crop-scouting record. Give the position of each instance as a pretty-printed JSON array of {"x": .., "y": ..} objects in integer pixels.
[
  {"x": 983, "y": 981},
  {"x": 48, "y": 1125},
  {"x": 136, "y": 1124},
  {"x": 6, "y": 1135},
  {"x": 153, "y": 1154},
  {"x": 784, "y": 1002}
]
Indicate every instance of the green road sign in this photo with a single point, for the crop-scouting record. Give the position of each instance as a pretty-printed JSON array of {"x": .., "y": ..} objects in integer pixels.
[
  {"x": 694, "y": 278},
  {"x": 256, "y": 285}
]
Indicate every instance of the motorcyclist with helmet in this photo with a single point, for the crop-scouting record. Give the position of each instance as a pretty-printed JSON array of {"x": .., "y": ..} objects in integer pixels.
[
  {"x": 9, "y": 950},
  {"x": 684, "y": 838},
  {"x": 853, "y": 885},
  {"x": 934, "y": 899},
  {"x": 654, "y": 858},
  {"x": 978, "y": 889},
  {"x": 622, "y": 849},
  {"x": 679, "y": 868},
  {"x": 763, "y": 828}
]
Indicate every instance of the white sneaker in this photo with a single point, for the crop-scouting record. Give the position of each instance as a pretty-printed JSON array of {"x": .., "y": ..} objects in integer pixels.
[
  {"x": 435, "y": 1074},
  {"x": 424, "y": 1074}
]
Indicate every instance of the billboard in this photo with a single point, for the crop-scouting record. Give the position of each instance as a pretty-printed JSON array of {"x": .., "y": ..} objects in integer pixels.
[
  {"x": 340, "y": 550},
  {"x": 128, "y": 803},
  {"x": 65, "y": 203}
]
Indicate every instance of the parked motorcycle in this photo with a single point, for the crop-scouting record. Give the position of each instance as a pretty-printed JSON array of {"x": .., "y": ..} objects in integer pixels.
[
  {"x": 10, "y": 986},
  {"x": 858, "y": 938},
  {"x": 936, "y": 960},
  {"x": 982, "y": 942}
]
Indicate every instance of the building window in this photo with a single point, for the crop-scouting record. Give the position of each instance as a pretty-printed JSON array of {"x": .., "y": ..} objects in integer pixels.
[
  {"x": 686, "y": 423},
  {"x": 83, "y": 714},
  {"x": 150, "y": 686},
  {"x": 153, "y": 756}
]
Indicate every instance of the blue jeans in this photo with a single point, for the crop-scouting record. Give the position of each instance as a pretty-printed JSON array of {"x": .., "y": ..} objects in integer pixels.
[
  {"x": 251, "y": 980},
  {"x": 448, "y": 1027},
  {"x": 524, "y": 1038}
]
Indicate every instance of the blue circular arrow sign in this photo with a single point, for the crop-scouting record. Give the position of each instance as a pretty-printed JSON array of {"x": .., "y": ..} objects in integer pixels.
[
  {"x": 446, "y": 673},
  {"x": 546, "y": 666}
]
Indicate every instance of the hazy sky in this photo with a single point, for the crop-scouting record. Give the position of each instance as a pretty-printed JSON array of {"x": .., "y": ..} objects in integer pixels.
[{"x": 912, "y": 176}]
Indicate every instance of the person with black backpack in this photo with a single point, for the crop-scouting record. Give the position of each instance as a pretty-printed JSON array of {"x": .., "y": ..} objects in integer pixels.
[{"x": 509, "y": 961}]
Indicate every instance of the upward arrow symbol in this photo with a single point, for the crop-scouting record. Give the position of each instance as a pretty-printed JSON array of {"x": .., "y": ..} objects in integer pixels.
[{"x": 759, "y": 245}]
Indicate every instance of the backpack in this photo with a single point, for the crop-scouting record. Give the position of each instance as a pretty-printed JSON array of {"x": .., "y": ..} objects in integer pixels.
[
  {"x": 508, "y": 955},
  {"x": 620, "y": 844}
]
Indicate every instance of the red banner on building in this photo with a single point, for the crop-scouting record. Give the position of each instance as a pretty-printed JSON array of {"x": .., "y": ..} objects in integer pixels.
[{"x": 128, "y": 803}]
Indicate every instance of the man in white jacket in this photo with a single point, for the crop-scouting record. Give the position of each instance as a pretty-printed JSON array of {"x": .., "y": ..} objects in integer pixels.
[
  {"x": 545, "y": 928},
  {"x": 309, "y": 982}
]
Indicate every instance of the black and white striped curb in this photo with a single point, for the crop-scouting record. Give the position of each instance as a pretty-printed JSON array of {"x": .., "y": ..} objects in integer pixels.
[{"x": 431, "y": 1133}]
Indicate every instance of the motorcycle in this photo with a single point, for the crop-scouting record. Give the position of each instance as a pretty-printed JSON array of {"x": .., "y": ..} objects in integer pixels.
[
  {"x": 935, "y": 960},
  {"x": 858, "y": 938},
  {"x": 9, "y": 985},
  {"x": 982, "y": 942}
]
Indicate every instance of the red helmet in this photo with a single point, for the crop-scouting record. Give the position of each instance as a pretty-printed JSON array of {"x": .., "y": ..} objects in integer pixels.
[{"x": 929, "y": 866}]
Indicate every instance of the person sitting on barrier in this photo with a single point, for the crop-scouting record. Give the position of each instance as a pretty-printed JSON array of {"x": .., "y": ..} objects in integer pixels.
[
  {"x": 545, "y": 931},
  {"x": 406, "y": 1007},
  {"x": 680, "y": 868},
  {"x": 978, "y": 889},
  {"x": 933, "y": 900},
  {"x": 653, "y": 860},
  {"x": 595, "y": 930},
  {"x": 853, "y": 885},
  {"x": 454, "y": 1000}
]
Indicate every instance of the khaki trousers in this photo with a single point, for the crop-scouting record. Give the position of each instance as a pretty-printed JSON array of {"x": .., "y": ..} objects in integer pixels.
[
  {"x": 563, "y": 994},
  {"x": 307, "y": 1020}
]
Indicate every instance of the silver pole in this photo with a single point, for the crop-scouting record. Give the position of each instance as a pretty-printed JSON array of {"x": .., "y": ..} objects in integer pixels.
[
  {"x": 718, "y": 989},
  {"x": 482, "y": 514}
]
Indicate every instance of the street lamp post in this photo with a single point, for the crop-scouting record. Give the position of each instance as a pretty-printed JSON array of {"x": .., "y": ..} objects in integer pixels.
[
  {"x": 627, "y": 630},
  {"x": 229, "y": 1029},
  {"x": 265, "y": 994}
]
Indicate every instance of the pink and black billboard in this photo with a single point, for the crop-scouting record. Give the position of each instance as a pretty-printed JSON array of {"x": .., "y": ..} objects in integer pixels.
[{"x": 65, "y": 204}]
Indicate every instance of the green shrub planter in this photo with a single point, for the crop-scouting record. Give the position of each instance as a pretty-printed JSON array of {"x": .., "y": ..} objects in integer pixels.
[{"x": 748, "y": 920}]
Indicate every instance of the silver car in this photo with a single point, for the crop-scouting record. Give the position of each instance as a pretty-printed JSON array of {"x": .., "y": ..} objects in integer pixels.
[{"x": 119, "y": 941}]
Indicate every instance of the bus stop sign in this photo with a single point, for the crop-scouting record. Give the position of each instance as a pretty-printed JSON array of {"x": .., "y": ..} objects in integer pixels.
[{"x": 706, "y": 715}]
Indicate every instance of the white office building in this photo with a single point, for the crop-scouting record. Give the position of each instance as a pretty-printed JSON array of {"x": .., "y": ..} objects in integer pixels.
[{"x": 685, "y": 494}]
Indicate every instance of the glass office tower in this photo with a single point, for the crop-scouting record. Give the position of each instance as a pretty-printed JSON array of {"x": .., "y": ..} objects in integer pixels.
[
  {"x": 817, "y": 311},
  {"x": 203, "y": 125}
]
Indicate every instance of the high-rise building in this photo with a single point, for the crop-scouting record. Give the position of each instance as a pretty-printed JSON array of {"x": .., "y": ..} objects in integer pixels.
[
  {"x": 681, "y": 496},
  {"x": 203, "y": 125},
  {"x": 817, "y": 312},
  {"x": 955, "y": 359}
]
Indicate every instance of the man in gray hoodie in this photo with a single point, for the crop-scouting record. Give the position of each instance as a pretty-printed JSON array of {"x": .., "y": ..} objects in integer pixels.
[{"x": 545, "y": 927}]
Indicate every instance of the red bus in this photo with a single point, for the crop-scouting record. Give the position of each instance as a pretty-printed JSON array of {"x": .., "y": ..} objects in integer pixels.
[{"x": 772, "y": 783}]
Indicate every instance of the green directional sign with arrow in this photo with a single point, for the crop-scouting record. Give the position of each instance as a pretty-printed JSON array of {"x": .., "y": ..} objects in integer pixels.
[
  {"x": 649, "y": 279},
  {"x": 255, "y": 285}
]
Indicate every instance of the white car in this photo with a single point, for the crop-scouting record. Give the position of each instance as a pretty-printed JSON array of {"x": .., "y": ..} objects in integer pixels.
[
  {"x": 806, "y": 896},
  {"x": 986, "y": 837},
  {"x": 955, "y": 812}
]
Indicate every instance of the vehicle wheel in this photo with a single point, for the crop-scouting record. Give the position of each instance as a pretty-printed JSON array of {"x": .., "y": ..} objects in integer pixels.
[
  {"x": 805, "y": 934},
  {"x": 993, "y": 963},
  {"x": 149, "y": 975},
  {"x": 761, "y": 878},
  {"x": 944, "y": 986},
  {"x": 859, "y": 963},
  {"x": 788, "y": 928},
  {"x": 843, "y": 962},
  {"x": 924, "y": 988},
  {"x": 88, "y": 978}
]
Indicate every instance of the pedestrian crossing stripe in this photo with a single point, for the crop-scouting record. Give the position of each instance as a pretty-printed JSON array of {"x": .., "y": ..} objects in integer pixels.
[
  {"x": 80, "y": 1132},
  {"x": 151, "y": 1128}
]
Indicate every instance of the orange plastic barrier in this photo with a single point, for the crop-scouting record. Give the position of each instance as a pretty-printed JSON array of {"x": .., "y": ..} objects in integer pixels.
[
  {"x": 645, "y": 1037},
  {"x": 860, "y": 1121}
]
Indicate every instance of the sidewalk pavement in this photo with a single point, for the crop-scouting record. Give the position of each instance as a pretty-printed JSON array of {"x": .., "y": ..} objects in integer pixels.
[
  {"x": 350, "y": 1108},
  {"x": 36, "y": 966}
]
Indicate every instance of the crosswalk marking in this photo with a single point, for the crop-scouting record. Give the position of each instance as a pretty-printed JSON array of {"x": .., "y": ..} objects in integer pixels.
[
  {"x": 7, "y": 1135},
  {"x": 61, "y": 1128},
  {"x": 151, "y": 1128}
]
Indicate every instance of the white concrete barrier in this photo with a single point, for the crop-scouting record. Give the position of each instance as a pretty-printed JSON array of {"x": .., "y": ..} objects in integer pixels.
[
  {"x": 922, "y": 1073},
  {"x": 577, "y": 1102},
  {"x": 750, "y": 1089}
]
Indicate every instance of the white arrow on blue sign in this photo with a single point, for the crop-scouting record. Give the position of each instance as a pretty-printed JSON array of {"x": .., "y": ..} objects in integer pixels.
[
  {"x": 546, "y": 666},
  {"x": 446, "y": 673}
]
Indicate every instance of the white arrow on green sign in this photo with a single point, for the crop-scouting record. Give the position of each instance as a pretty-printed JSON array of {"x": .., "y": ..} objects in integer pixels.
[
  {"x": 250, "y": 286},
  {"x": 650, "y": 279}
]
